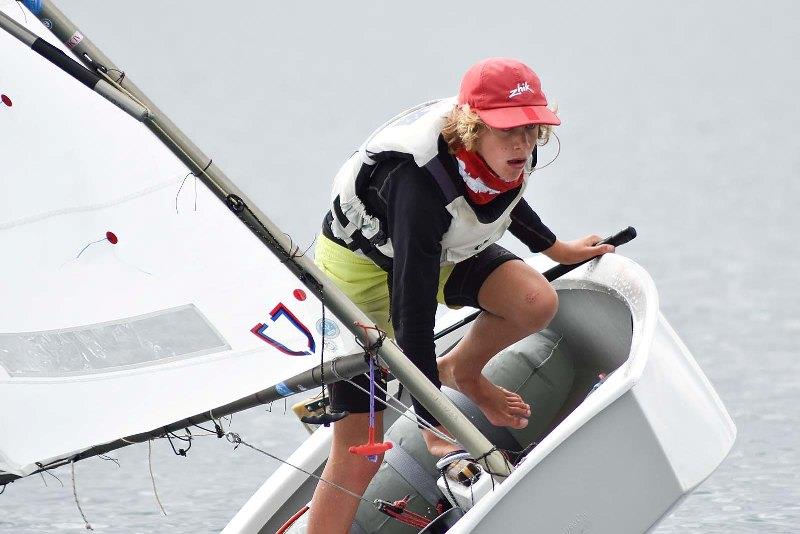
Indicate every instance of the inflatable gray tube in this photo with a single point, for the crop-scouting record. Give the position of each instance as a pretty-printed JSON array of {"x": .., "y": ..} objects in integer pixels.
[{"x": 539, "y": 368}]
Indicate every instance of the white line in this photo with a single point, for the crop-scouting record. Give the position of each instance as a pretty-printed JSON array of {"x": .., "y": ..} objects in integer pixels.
[{"x": 92, "y": 207}]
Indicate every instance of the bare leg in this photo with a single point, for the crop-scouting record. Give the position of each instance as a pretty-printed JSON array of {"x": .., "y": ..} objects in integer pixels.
[
  {"x": 332, "y": 510},
  {"x": 517, "y": 301}
]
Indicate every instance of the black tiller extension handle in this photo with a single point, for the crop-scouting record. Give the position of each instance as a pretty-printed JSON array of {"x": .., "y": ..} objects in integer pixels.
[{"x": 620, "y": 238}]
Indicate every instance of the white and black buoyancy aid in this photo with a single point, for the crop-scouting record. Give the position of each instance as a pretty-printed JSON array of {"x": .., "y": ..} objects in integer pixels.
[{"x": 412, "y": 134}]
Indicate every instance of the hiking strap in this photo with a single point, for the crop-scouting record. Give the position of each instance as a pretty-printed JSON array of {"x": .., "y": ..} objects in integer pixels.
[{"x": 413, "y": 473}]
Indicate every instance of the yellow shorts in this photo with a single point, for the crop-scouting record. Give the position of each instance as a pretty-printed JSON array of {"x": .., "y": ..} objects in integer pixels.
[
  {"x": 366, "y": 285},
  {"x": 362, "y": 281}
]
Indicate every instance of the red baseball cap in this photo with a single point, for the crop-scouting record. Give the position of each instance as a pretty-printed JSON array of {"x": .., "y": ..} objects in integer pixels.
[{"x": 505, "y": 93}]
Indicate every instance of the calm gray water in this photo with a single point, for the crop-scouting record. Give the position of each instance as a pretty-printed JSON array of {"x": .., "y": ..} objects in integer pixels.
[{"x": 680, "y": 120}]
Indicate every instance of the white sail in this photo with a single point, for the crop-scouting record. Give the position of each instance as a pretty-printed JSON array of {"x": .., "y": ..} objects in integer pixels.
[{"x": 185, "y": 312}]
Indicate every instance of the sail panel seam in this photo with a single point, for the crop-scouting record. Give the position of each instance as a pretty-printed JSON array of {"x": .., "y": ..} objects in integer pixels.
[{"x": 91, "y": 207}]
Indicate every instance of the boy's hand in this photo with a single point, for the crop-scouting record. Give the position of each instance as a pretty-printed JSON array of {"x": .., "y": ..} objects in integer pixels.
[{"x": 570, "y": 252}]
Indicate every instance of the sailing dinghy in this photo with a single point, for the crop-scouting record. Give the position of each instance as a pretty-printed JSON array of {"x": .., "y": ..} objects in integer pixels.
[
  {"x": 614, "y": 457},
  {"x": 150, "y": 296}
]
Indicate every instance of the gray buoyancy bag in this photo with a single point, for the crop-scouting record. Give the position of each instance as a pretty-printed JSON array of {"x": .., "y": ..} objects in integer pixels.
[{"x": 538, "y": 367}]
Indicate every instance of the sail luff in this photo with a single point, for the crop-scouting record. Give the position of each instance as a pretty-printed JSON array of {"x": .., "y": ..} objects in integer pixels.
[{"x": 280, "y": 244}]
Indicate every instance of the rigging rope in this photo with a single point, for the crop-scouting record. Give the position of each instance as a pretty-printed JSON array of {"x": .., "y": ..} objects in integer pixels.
[
  {"x": 103, "y": 71},
  {"x": 46, "y": 469},
  {"x": 322, "y": 354},
  {"x": 152, "y": 477},
  {"x": 186, "y": 439},
  {"x": 236, "y": 439},
  {"x": 75, "y": 494},
  {"x": 394, "y": 510},
  {"x": 196, "y": 176},
  {"x": 403, "y": 413},
  {"x": 25, "y": 16},
  {"x": 109, "y": 459},
  {"x": 121, "y": 73}
]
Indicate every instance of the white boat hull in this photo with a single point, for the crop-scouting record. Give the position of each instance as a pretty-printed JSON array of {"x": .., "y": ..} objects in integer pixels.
[
  {"x": 623, "y": 469},
  {"x": 615, "y": 462}
]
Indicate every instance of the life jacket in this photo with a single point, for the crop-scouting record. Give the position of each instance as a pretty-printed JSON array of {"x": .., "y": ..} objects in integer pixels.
[{"x": 414, "y": 133}]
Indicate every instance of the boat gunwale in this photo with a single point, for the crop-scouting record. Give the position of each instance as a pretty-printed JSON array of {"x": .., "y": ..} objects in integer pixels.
[{"x": 640, "y": 296}]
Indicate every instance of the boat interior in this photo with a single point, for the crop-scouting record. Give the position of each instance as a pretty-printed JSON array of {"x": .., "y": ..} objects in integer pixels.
[{"x": 554, "y": 371}]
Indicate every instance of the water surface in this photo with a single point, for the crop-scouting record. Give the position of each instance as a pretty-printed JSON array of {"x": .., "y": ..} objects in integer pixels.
[{"x": 678, "y": 119}]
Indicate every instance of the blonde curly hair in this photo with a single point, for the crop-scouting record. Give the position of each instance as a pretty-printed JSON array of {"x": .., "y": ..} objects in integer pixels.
[{"x": 463, "y": 126}]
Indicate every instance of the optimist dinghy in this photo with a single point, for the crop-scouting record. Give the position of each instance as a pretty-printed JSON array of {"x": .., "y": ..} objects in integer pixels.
[
  {"x": 127, "y": 323},
  {"x": 624, "y": 425}
]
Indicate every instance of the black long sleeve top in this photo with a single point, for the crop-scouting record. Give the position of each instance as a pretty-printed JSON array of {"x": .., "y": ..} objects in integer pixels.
[{"x": 412, "y": 206}]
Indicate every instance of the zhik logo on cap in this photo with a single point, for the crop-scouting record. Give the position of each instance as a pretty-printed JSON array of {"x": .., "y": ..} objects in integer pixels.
[
  {"x": 521, "y": 88},
  {"x": 505, "y": 93}
]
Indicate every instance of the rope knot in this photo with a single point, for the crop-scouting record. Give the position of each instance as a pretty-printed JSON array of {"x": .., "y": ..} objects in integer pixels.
[
  {"x": 370, "y": 350},
  {"x": 482, "y": 458},
  {"x": 234, "y": 438},
  {"x": 218, "y": 430}
]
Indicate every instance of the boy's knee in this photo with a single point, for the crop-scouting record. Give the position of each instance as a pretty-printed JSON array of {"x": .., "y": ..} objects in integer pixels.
[{"x": 540, "y": 306}]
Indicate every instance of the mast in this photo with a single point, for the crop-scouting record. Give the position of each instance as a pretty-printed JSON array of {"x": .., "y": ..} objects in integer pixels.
[{"x": 269, "y": 234}]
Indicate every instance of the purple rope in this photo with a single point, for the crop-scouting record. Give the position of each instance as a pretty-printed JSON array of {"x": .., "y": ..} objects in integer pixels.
[{"x": 372, "y": 457}]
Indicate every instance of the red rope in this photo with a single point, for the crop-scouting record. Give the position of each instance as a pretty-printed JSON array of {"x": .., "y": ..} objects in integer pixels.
[
  {"x": 418, "y": 521},
  {"x": 397, "y": 510},
  {"x": 292, "y": 519},
  {"x": 366, "y": 328}
]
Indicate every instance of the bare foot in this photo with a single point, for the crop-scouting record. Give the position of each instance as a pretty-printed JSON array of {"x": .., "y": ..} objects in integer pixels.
[
  {"x": 437, "y": 446},
  {"x": 500, "y": 406},
  {"x": 446, "y": 366}
]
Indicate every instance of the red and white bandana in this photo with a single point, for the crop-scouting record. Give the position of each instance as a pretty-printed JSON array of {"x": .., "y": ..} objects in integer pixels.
[{"x": 483, "y": 184}]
